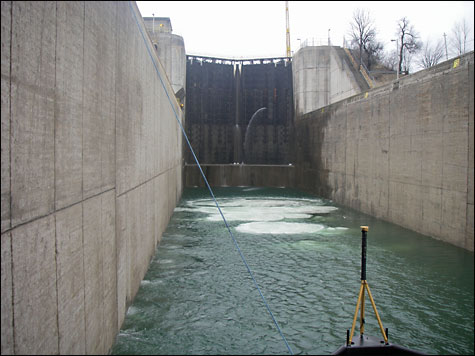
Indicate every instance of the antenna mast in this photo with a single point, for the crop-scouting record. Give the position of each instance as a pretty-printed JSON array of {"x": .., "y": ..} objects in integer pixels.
[{"x": 287, "y": 34}]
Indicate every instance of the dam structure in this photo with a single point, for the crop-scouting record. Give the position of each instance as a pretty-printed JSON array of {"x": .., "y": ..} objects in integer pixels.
[{"x": 94, "y": 162}]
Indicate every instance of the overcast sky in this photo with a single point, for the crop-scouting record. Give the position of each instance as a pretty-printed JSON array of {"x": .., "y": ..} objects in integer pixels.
[{"x": 256, "y": 29}]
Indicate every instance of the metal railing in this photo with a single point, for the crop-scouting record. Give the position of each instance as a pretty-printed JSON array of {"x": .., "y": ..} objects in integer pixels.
[
  {"x": 361, "y": 68},
  {"x": 313, "y": 42}
]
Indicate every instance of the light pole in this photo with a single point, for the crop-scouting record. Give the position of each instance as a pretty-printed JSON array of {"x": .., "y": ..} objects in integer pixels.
[
  {"x": 397, "y": 54},
  {"x": 446, "y": 54},
  {"x": 329, "y": 37},
  {"x": 153, "y": 23},
  {"x": 300, "y": 42}
]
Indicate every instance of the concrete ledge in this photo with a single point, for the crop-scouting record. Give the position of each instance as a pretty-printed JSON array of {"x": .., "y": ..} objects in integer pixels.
[{"x": 224, "y": 175}]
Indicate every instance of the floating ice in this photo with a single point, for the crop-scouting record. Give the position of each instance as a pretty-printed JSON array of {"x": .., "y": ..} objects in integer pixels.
[
  {"x": 336, "y": 228},
  {"x": 242, "y": 214},
  {"x": 278, "y": 228},
  {"x": 259, "y": 209},
  {"x": 132, "y": 310}
]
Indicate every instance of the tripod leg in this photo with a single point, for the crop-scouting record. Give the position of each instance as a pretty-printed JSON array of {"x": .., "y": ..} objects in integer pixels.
[
  {"x": 356, "y": 313},
  {"x": 377, "y": 315},
  {"x": 362, "y": 314}
]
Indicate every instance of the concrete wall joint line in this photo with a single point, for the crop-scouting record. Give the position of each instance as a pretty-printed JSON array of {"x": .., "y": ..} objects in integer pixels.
[
  {"x": 56, "y": 211},
  {"x": 82, "y": 101},
  {"x": 467, "y": 66},
  {"x": 13, "y": 294},
  {"x": 148, "y": 180},
  {"x": 10, "y": 118},
  {"x": 54, "y": 111},
  {"x": 116, "y": 201},
  {"x": 84, "y": 276},
  {"x": 57, "y": 278}
]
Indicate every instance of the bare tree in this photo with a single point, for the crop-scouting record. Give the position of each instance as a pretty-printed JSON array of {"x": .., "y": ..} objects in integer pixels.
[
  {"x": 407, "y": 62},
  {"x": 459, "y": 37},
  {"x": 390, "y": 60},
  {"x": 362, "y": 31},
  {"x": 431, "y": 54},
  {"x": 374, "y": 53},
  {"x": 408, "y": 43}
]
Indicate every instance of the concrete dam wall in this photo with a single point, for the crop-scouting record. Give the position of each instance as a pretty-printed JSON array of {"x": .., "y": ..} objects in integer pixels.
[
  {"x": 402, "y": 152},
  {"x": 91, "y": 170}
]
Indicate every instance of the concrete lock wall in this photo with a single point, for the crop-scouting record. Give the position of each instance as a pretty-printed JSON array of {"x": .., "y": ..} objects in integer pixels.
[
  {"x": 402, "y": 152},
  {"x": 170, "y": 49},
  {"x": 91, "y": 171},
  {"x": 323, "y": 75}
]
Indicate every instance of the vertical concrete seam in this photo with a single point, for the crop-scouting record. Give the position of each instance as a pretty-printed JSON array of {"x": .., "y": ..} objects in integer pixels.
[
  {"x": 468, "y": 154},
  {"x": 54, "y": 109},
  {"x": 54, "y": 174},
  {"x": 444, "y": 117},
  {"x": 11, "y": 117},
  {"x": 82, "y": 181},
  {"x": 116, "y": 225},
  {"x": 389, "y": 157},
  {"x": 84, "y": 276},
  {"x": 10, "y": 164},
  {"x": 57, "y": 277},
  {"x": 104, "y": 329},
  {"x": 82, "y": 101},
  {"x": 346, "y": 147}
]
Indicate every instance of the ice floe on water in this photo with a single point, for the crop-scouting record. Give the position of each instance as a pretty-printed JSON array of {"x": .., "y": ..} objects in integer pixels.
[
  {"x": 265, "y": 215},
  {"x": 132, "y": 310},
  {"x": 280, "y": 227},
  {"x": 258, "y": 209}
]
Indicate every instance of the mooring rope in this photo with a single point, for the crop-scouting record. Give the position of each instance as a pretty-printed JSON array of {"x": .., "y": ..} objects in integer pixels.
[{"x": 209, "y": 187}]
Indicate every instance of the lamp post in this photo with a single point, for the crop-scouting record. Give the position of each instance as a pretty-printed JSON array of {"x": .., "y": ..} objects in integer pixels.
[
  {"x": 153, "y": 23},
  {"x": 300, "y": 42},
  {"x": 397, "y": 54},
  {"x": 329, "y": 37}
]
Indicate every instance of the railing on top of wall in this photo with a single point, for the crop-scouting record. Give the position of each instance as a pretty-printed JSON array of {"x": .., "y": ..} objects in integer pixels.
[
  {"x": 326, "y": 42},
  {"x": 361, "y": 68}
]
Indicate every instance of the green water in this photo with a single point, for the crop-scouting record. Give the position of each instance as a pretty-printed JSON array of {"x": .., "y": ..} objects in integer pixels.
[{"x": 198, "y": 298}]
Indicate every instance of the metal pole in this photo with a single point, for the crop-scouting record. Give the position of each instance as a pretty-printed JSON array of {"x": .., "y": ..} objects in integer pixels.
[
  {"x": 446, "y": 54},
  {"x": 397, "y": 50},
  {"x": 153, "y": 23},
  {"x": 364, "y": 230}
]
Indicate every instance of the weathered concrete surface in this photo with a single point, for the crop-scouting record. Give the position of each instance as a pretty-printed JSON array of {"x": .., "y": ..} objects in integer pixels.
[
  {"x": 233, "y": 175},
  {"x": 323, "y": 75},
  {"x": 35, "y": 306},
  {"x": 68, "y": 111},
  {"x": 402, "y": 152},
  {"x": 91, "y": 168},
  {"x": 32, "y": 110},
  {"x": 70, "y": 280},
  {"x": 6, "y": 295}
]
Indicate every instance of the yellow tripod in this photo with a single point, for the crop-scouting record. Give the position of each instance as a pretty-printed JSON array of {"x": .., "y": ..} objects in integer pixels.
[{"x": 361, "y": 296}]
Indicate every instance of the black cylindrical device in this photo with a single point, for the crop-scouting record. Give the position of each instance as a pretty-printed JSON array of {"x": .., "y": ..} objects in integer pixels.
[{"x": 364, "y": 230}]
